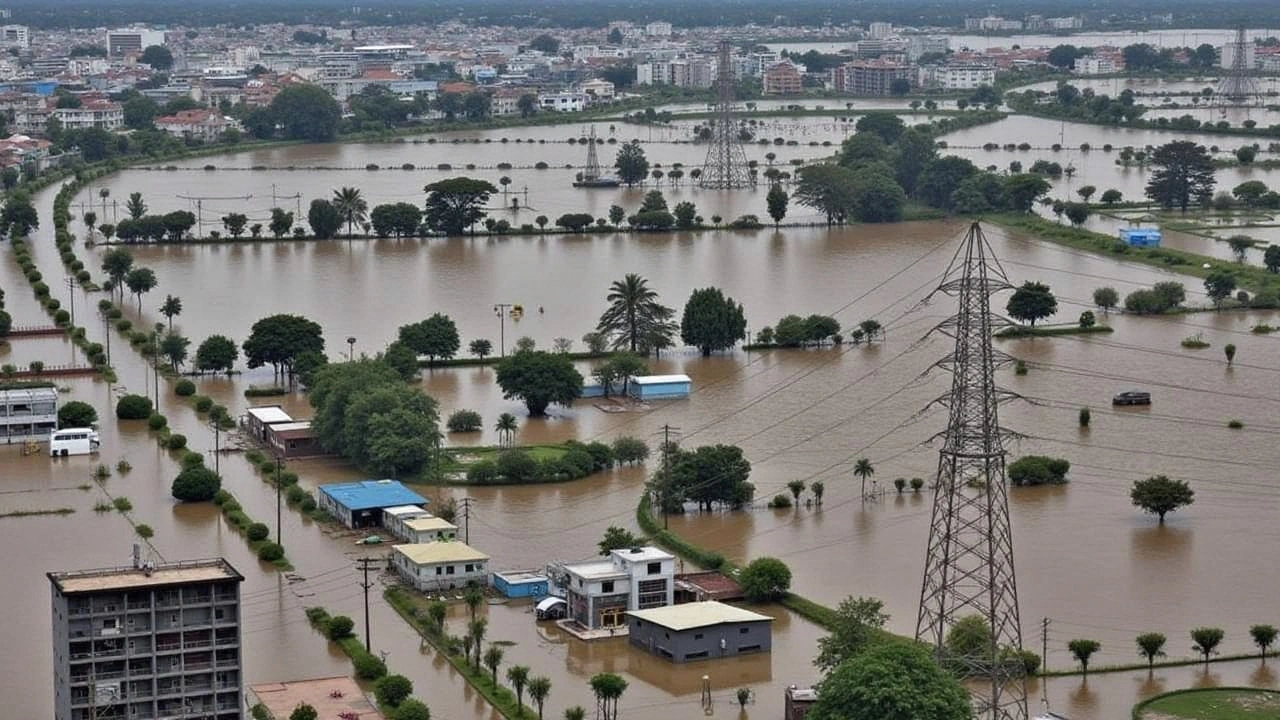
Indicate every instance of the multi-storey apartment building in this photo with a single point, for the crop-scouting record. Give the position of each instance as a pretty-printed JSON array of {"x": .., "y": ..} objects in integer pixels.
[{"x": 148, "y": 642}]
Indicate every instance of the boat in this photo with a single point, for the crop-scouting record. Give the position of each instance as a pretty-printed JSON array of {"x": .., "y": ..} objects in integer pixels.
[
  {"x": 1132, "y": 397},
  {"x": 592, "y": 176},
  {"x": 370, "y": 540}
]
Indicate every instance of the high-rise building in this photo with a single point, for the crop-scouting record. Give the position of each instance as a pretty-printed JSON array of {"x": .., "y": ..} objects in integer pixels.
[
  {"x": 1227, "y": 55},
  {"x": 879, "y": 30},
  {"x": 15, "y": 36},
  {"x": 148, "y": 641},
  {"x": 870, "y": 77},
  {"x": 127, "y": 40}
]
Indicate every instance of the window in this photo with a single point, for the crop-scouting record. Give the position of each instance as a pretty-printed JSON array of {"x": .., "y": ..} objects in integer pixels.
[
  {"x": 469, "y": 567},
  {"x": 695, "y": 655},
  {"x": 697, "y": 636},
  {"x": 748, "y": 648},
  {"x": 439, "y": 570},
  {"x": 449, "y": 570},
  {"x": 606, "y": 586},
  {"x": 655, "y": 568}
]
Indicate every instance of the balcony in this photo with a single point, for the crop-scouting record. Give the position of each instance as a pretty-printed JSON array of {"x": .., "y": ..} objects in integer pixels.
[
  {"x": 139, "y": 605},
  {"x": 190, "y": 644}
]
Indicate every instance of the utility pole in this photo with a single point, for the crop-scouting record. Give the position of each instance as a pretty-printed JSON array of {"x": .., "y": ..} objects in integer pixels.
[
  {"x": 279, "y": 539},
  {"x": 364, "y": 565},
  {"x": 1044, "y": 645},
  {"x": 500, "y": 309},
  {"x": 664, "y": 485},
  {"x": 217, "y": 454},
  {"x": 199, "y": 201},
  {"x": 72, "y": 284},
  {"x": 466, "y": 516}
]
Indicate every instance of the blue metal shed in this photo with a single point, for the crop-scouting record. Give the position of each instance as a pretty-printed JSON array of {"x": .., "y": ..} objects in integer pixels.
[
  {"x": 520, "y": 583},
  {"x": 659, "y": 387},
  {"x": 1141, "y": 236},
  {"x": 360, "y": 504}
]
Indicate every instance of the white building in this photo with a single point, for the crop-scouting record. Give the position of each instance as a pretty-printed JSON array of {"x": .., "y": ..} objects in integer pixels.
[
  {"x": 101, "y": 114},
  {"x": 243, "y": 57},
  {"x": 127, "y": 40},
  {"x": 956, "y": 77},
  {"x": 1227, "y": 55},
  {"x": 879, "y": 30},
  {"x": 599, "y": 592},
  {"x": 920, "y": 45},
  {"x": 435, "y": 566},
  {"x": 205, "y": 125},
  {"x": 599, "y": 89},
  {"x": 1096, "y": 65},
  {"x": 15, "y": 36},
  {"x": 658, "y": 29},
  {"x": 415, "y": 525},
  {"x": 564, "y": 101}
]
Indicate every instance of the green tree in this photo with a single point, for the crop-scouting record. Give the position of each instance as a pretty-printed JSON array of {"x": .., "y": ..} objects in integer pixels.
[
  {"x": 885, "y": 124},
  {"x": 157, "y": 56},
  {"x": 545, "y": 44},
  {"x": 864, "y": 469},
  {"x": 1240, "y": 245},
  {"x": 777, "y": 201},
  {"x": 76, "y": 414},
  {"x": 608, "y": 689},
  {"x": 140, "y": 280},
  {"x": 135, "y": 206},
  {"x": 796, "y": 487},
  {"x": 712, "y": 321},
  {"x": 19, "y": 216},
  {"x": 916, "y": 149},
  {"x": 278, "y": 340},
  {"x": 1151, "y": 646},
  {"x": 616, "y": 215},
  {"x": 1205, "y": 641},
  {"x": 392, "y": 690},
  {"x": 139, "y": 112},
  {"x": 435, "y": 337},
  {"x": 455, "y": 204},
  {"x": 635, "y": 318},
  {"x": 1249, "y": 192},
  {"x": 970, "y": 640},
  {"x": 174, "y": 349},
  {"x": 481, "y": 348},
  {"x": 324, "y": 219},
  {"x": 90, "y": 218},
  {"x": 1158, "y": 495},
  {"x": 196, "y": 484},
  {"x": 411, "y": 709},
  {"x": 616, "y": 538},
  {"x": 1077, "y": 213},
  {"x": 1022, "y": 191},
  {"x": 1031, "y": 470},
  {"x": 1031, "y": 302},
  {"x": 539, "y": 689},
  {"x": 307, "y": 112},
  {"x": 538, "y": 379},
  {"x": 281, "y": 223},
  {"x": 351, "y": 207},
  {"x": 1082, "y": 649},
  {"x": 621, "y": 366},
  {"x": 827, "y": 189},
  {"x": 506, "y": 428},
  {"x": 1106, "y": 298},
  {"x": 473, "y": 596},
  {"x": 492, "y": 659},
  {"x": 939, "y": 180},
  {"x": 216, "y": 354},
  {"x": 712, "y": 474},
  {"x": 399, "y": 219},
  {"x": 403, "y": 360},
  {"x": 1112, "y": 196},
  {"x": 527, "y": 104},
  {"x": 1263, "y": 636},
  {"x": 765, "y": 579},
  {"x": 631, "y": 164},
  {"x": 518, "y": 676},
  {"x": 1218, "y": 286},
  {"x": 303, "y": 712},
  {"x": 891, "y": 681},
  {"x": 235, "y": 223},
  {"x": 577, "y": 712},
  {"x": 1085, "y": 192},
  {"x": 170, "y": 308},
  {"x": 686, "y": 215},
  {"x": 876, "y": 197},
  {"x": 1183, "y": 173},
  {"x": 116, "y": 263}
]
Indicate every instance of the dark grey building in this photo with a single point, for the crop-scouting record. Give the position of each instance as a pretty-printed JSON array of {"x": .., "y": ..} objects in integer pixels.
[
  {"x": 151, "y": 642},
  {"x": 698, "y": 631}
]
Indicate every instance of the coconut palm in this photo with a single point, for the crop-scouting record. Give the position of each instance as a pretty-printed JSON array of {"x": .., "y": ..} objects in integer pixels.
[
  {"x": 350, "y": 206},
  {"x": 518, "y": 676},
  {"x": 169, "y": 308},
  {"x": 608, "y": 689},
  {"x": 477, "y": 629},
  {"x": 864, "y": 470},
  {"x": 506, "y": 428},
  {"x": 473, "y": 597},
  {"x": 635, "y": 319},
  {"x": 539, "y": 689},
  {"x": 492, "y": 659}
]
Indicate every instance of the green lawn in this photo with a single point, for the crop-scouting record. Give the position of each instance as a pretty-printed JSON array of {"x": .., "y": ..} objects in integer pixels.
[{"x": 1213, "y": 704}]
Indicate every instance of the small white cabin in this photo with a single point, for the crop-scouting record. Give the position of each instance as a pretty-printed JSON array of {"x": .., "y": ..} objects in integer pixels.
[{"x": 73, "y": 441}]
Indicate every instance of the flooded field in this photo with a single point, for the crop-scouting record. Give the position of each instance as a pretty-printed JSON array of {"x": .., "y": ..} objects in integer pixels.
[{"x": 1086, "y": 559}]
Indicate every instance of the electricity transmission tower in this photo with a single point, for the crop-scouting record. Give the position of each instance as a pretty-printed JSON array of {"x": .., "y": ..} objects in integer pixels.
[
  {"x": 726, "y": 165},
  {"x": 969, "y": 562},
  {"x": 1237, "y": 86}
]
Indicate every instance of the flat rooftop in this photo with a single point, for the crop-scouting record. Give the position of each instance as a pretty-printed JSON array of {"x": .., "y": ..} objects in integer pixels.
[
  {"x": 594, "y": 569},
  {"x": 269, "y": 414},
  {"x": 439, "y": 552},
  {"x": 411, "y": 510},
  {"x": 522, "y": 576},
  {"x": 329, "y": 696},
  {"x": 647, "y": 553},
  {"x": 696, "y": 615},
  {"x": 426, "y": 524},
  {"x": 660, "y": 379},
  {"x": 130, "y": 578},
  {"x": 369, "y": 494}
]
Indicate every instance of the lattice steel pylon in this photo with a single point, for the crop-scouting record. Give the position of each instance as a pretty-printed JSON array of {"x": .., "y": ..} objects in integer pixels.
[
  {"x": 726, "y": 165},
  {"x": 1237, "y": 87},
  {"x": 969, "y": 561}
]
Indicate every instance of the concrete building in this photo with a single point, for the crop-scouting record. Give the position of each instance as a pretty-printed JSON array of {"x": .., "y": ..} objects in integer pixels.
[
  {"x": 599, "y": 592},
  {"x": 879, "y": 30},
  {"x": 564, "y": 101},
  {"x": 293, "y": 439},
  {"x": 259, "y": 417},
  {"x": 132, "y": 40},
  {"x": 870, "y": 77},
  {"x": 797, "y": 702},
  {"x": 521, "y": 583},
  {"x": 920, "y": 45},
  {"x": 93, "y": 113},
  {"x": 782, "y": 79},
  {"x": 699, "y": 631},
  {"x": 360, "y": 504},
  {"x": 435, "y": 566},
  {"x": 412, "y": 524},
  {"x": 28, "y": 414},
  {"x": 658, "y": 29},
  {"x": 1227, "y": 54},
  {"x": 1097, "y": 65},
  {"x": 15, "y": 36},
  {"x": 147, "y": 641},
  {"x": 956, "y": 77},
  {"x": 205, "y": 125}
]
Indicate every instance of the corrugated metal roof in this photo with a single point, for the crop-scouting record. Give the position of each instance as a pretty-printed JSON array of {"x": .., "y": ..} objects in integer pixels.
[
  {"x": 439, "y": 552},
  {"x": 269, "y": 414},
  {"x": 368, "y": 494},
  {"x": 696, "y": 615},
  {"x": 660, "y": 379}
]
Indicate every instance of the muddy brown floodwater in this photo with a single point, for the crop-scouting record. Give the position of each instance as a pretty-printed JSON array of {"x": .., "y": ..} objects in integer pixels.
[{"x": 1087, "y": 560}]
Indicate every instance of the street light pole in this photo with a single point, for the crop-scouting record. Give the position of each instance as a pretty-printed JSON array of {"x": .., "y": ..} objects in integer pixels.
[
  {"x": 279, "y": 539},
  {"x": 71, "y": 294},
  {"x": 500, "y": 310},
  {"x": 351, "y": 348}
]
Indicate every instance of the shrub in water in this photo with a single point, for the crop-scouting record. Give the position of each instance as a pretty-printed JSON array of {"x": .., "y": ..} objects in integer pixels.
[
  {"x": 197, "y": 484},
  {"x": 184, "y": 388},
  {"x": 270, "y": 552},
  {"x": 258, "y": 531},
  {"x": 203, "y": 404},
  {"x": 156, "y": 421},
  {"x": 133, "y": 407},
  {"x": 177, "y": 441}
]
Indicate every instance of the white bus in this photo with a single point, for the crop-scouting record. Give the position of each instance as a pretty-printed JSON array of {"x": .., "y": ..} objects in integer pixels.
[{"x": 73, "y": 441}]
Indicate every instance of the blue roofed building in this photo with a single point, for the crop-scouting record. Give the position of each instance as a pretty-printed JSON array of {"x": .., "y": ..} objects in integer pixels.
[
  {"x": 1141, "y": 236},
  {"x": 659, "y": 387},
  {"x": 360, "y": 504}
]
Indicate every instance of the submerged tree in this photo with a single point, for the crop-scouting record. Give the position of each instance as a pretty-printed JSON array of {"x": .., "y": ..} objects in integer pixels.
[{"x": 635, "y": 319}]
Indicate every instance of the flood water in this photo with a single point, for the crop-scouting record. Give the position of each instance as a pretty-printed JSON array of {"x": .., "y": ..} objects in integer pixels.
[{"x": 1087, "y": 560}]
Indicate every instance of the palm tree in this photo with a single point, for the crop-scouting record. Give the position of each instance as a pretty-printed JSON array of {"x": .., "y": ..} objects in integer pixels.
[
  {"x": 169, "y": 308},
  {"x": 104, "y": 193},
  {"x": 506, "y": 428},
  {"x": 608, "y": 689},
  {"x": 90, "y": 218},
  {"x": 864, "y": 470},
  {"x": 504, "y": 181},
  {"x": 577, "y": 712},
  {"x": 350, "y": 206},
  {"x": 518, "y": 676},
  {"x": 539, "y": 689},
  {"x": 635, "y": 319},
  {"x": 818, "y": 488},
  {"x": 473, "y": 597},
  {"x": 492, "y": 659},
  {"x": 477, "y": 629}
]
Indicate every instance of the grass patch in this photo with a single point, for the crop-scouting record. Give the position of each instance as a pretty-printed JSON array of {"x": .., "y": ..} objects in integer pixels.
[
  {"x": 122, "y": 504},
  {"x": 1021, "y": 331},
  {"x": 30, "y": 513},
  {"x": 1195, "y": 342},
  {"x": 1211, "y": 704}
]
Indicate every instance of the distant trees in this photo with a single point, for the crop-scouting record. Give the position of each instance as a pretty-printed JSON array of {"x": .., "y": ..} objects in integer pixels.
[
  {"x": 435, "y": 337},
  {"x": 1183, "y": 173},
  {"x": 712, "y": 321},
  {"x": 616, "y": 538},
  {"x": 710, "y": 475},
  {"x": 279, "y": 340},
  {"x": 399, "y": 219},
  {"x": 631, "y": 164},
  {"x": 157, "y": 56},
  {"x": 306, "y": 112},
  {"x": 1159, "y": 495},
  {"x": 1038, "y": 470},
  {"x": 1162, "y": 297},
  {"x": 455, "y": 204}
]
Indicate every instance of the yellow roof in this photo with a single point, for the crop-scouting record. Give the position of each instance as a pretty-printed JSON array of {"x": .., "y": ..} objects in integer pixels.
[
  {"x": 439, "y": 552},
  {"x": 429, "y": 523}
]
